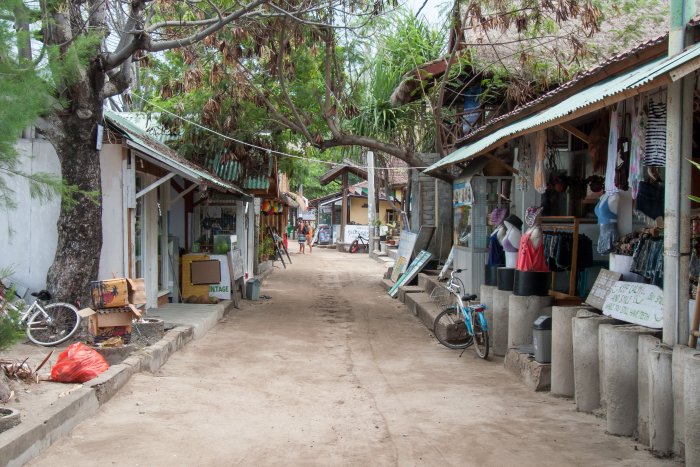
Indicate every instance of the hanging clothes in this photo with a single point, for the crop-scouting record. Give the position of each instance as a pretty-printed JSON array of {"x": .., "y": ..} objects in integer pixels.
[
  {"x": 531, "y": 258},
  {"x": 637, "y": 147},
  {"x": 655, "y": 150},
  {"x": 607, "y": 220},
  {"x": 611, "y": 165},
  {"x": 540, "y": 150},
  {"x": 497, "y": 256}
]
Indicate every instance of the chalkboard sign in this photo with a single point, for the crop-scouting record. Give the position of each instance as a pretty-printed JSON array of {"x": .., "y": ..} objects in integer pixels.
[
  {"x": 601, "y": 288},
  {"x": 636, "y": 303},
  {"x": 235, "y": 258},
  {"x": 413, "y": 269}
]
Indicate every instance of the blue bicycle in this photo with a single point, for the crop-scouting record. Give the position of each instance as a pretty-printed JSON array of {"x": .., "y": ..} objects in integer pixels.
[{"x": 458, "y": 326}]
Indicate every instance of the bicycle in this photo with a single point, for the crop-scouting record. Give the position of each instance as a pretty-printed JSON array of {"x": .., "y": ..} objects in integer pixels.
[
  {"x": 46, "y": 324},
  {"x": 458, "y": 326},
  {"x": 360, "y": 243}
]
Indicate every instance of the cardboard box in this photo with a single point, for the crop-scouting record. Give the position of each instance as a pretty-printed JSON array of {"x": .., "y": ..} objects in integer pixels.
[
  {"x": 137, "y": 291},
  {"x": 110, "y": 317},
  {"x": 110, "y": 293}
]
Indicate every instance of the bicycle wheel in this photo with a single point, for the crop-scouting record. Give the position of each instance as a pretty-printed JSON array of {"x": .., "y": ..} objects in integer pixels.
[
  {"x": 56, "y": 323},
  {"x": 481, "y": 335},
  {"x": 451, "y": 330}
]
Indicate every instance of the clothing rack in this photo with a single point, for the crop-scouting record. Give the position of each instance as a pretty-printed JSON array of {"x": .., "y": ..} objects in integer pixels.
[{"x": 565, "y": 223}]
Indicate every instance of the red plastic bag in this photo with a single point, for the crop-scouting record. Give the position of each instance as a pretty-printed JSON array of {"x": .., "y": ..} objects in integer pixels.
[{"x": 78, "y": 364}]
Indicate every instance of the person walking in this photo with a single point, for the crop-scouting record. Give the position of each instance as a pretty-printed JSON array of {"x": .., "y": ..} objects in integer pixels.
[
  {"x": 302, "y": 231},
  {"x": 309, "y": 236}
]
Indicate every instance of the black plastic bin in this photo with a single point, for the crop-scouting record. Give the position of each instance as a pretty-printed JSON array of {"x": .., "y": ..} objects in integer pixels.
[
  {"x": 531, "y": 283},
  {"x": 506, "y": 277},
  {"x": 491, "y": 275}
]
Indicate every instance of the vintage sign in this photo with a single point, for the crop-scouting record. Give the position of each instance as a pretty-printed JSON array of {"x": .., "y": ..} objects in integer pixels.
[
  {"x": 413, "y": 269},
  {"x": 222, "y": 289},
  {"x": 636, "y": 303}
]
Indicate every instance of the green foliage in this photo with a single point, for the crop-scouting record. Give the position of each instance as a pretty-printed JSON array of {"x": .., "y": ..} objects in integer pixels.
[
  {"x": 266, "y": 249},
  {"x": 26, "y": 95},
  {"x": 10, "y": 331}
]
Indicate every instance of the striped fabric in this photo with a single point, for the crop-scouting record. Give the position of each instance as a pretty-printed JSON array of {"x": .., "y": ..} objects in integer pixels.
[{"x": 655, "y": 150}]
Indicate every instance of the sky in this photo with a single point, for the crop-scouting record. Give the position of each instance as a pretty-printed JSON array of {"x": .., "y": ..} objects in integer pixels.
[{"x": 431, "y": 11}]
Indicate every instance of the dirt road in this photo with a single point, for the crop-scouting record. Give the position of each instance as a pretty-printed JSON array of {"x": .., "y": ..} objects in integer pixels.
[{"x": 331, "y": 371}]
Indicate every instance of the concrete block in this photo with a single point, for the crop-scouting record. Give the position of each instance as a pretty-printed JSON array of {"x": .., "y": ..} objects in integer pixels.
[
  {"x": 407, "y": 289},
  {"x": 645, "y": 345},
  {"x": 660, "y": 400},
  {"x": 621, "y": 377},
  {"x": 563, "y": 350},
  {"x": 427, "y": 311},
  {"x": 499, "y": 330},
  {"x": 428, "y": 282},
  {"x": 681, "y": 353},
  {"x": 387, "y": 284},
  {"x": 522, "y": 312},
  {"x": 28, "y": 439},
  {"x": 691, "y": 389},
  {"x": 536, "y": 376},
  {"x": 604, "y": 331},
  {"x": 110, "y": 382},
  {"x": 486, "y": 297},
  {"x": 586, "y": 359}
]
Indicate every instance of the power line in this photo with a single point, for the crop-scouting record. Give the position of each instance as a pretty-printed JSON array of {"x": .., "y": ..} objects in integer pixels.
[{"x": 280, "y": 153}]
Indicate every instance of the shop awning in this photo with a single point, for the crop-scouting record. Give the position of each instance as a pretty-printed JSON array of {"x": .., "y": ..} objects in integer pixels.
[
  {"x": 650, "y": 75},
  {"x": 170, "y": 160}
]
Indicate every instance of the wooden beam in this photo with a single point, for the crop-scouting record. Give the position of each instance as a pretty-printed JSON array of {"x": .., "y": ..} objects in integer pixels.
[
  {"x": 508, "y": 167},
  {"x": 576, "y": 132}
]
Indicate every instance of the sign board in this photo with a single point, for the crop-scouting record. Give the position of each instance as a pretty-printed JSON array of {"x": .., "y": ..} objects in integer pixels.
[
  {"x": 601, "y": 288},
  {"x": 235, "y": 258},
  {"x": 407, "y": 242},
  {"x": 413, "y": 269},
  {"x": 448, "y": 263},
  {"x": 352, "y": 231},
  {"x": 425, "y": 235},
  {"x": 636, "y": 303},
  {"x": 222, "y": 289}
]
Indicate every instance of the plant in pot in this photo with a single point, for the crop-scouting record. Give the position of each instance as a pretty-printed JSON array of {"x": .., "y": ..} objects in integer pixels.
[{"x": 266, "y": 250}]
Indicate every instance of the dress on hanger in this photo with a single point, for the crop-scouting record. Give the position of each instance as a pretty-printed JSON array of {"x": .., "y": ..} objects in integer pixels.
[
  {"x": 612, "y": 151},
  {"x": 531, "y": 258},
  {"x": 496, "y": 256},
  {"x": 637, "y": 147}
]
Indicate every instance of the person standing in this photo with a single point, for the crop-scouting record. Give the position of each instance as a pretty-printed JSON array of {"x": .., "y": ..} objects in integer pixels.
[
  {"x": 309, "y": 236},
  {"x": 302, "y": 231}
]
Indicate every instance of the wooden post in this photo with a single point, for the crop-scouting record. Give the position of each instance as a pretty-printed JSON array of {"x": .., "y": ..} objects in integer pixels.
[{"x": 344, "y": 209}]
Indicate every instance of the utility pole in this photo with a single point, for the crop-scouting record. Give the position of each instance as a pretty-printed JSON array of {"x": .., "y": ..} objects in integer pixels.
[
  {"x": 371, "y": 217},
  {"x": 677, "y": 186}
]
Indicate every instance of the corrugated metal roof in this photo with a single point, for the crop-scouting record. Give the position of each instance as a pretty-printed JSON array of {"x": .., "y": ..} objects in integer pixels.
[
  {"x": 630, "y": 80},
  {"x": 142, "y": 141}
]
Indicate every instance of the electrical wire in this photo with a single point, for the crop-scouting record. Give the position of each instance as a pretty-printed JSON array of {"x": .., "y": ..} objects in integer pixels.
[{"x": 271, "y": 151}]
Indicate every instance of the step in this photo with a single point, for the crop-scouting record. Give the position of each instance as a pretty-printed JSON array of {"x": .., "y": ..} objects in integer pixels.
[
  {"x": 387, "y": 283},
  {"x": 421, "y": 305},
  {"x": 428, "y": 282},
  {"x": 408, "y": 289},
  {"x": 536, "y": 376}
]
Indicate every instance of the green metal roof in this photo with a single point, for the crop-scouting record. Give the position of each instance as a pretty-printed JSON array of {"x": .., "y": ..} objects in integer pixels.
[
  {"x": 141, "y": 140},
  {"x": 618, "y": 85}
]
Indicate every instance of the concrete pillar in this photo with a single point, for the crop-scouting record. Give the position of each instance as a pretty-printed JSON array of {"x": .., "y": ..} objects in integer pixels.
[
  {"x": 501, "y": 300},
  {"x": 586, "y": 362},
  {"x": 660, "y": 400},
  {"x": 563, "y": 350},
  {"x": 486, "y": 297},
  {"x": 645, "y": 345},
  {"x": 621, "y": 378},
  {"x": 681, "y": 353},
  {"x": 604, "y": 331},
  {"x": 523, "y": 312},
  {"x": 691, "y": 389}
]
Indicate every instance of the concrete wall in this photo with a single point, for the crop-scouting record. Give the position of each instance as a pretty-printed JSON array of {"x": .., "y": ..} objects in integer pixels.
[
  {"x": 358, "y": 214},
  {"x": 113, "y": 221},
  {"x": 28, "y": 235}
]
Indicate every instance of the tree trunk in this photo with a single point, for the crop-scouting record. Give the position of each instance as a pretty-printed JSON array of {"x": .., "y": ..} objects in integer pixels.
[
  {"x": 5, "y": 389},
  {"x": 80, "y": 227}
]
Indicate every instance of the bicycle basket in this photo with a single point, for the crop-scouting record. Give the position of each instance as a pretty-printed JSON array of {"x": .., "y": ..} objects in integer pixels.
[{"x": 441, "y": 297}]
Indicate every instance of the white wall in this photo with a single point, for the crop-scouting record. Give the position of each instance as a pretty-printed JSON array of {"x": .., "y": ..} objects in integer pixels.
[
  {"x": 113, "y": 222},
  {"x": 28, "y": 234}
]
